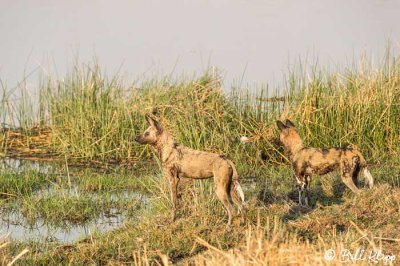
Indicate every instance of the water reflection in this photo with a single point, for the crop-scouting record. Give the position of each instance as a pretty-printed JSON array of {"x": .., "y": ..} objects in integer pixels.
[
  {"x": 17, "y": 227},
  {"x": 19, "y": 166}
]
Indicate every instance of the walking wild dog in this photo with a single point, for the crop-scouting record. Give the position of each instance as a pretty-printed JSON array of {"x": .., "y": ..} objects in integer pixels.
[
  {"x": 314, "y": 161},
  {"x": 178, "y": 161}
]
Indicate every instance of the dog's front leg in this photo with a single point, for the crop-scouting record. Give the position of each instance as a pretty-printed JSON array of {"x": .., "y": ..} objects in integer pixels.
[
  {"x": 172, "y": 175},
  {"x": 303, "y": 184},
  {"x": 307, "y": 181},
  {"x": 300, "y": 188}
]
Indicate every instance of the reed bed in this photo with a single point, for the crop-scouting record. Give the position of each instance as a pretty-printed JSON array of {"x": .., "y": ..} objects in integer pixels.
[
  {"x": 94, "y": 117},
  {"x": 28, "y": 143}
]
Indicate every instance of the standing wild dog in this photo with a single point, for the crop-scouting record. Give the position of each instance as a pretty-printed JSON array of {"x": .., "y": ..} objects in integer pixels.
[
  {"x": 178, "y": 161},
  {"x": 314, "y": 161}
]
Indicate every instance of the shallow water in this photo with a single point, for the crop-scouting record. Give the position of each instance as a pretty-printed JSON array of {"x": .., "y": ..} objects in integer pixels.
[
  {"x": 18, "y": 165},
  {"x": 16, "y": 227},
  {"x": 251, "y": 41}
]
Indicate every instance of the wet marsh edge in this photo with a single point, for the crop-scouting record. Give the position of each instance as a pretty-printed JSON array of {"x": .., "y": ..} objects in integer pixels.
[{"x": 269, "y": 202}]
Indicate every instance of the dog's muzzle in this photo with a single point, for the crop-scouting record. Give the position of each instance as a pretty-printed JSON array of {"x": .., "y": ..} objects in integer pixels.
[{"x": 277, "y": 141}]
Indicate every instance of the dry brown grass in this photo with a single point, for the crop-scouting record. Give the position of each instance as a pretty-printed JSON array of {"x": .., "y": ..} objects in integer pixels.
[
  {"x": 34, "y": 142},
  {"x": 279, "y": 248},
  {"x": 368, "y": 222},
  {"x": 276, "y": 247},
  {"x": 4, "y": 258}
]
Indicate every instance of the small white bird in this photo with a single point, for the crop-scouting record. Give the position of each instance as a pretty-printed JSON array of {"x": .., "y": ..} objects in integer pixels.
[{"x": 244, "y": 139}]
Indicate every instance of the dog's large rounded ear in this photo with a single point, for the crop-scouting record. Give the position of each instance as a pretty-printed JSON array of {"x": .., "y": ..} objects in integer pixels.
[
  {"x": 280, "y": 125},
  {"x": 154, "y": 123},
  {"x": 289, "y": 123},
  {"x": 149, "y": 119},
  {"x": 158, "y": 126}
]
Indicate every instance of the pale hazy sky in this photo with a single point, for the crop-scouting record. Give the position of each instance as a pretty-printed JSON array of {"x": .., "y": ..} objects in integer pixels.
[{"x": 253, "y": 38}]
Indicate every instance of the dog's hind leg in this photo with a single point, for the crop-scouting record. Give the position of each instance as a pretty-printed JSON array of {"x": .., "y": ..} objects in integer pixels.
[
  {"x": 222, "y": 182},
  {"x": 236, "y": 191},
  {"x": 224, "y": 198},
  {"x": 238, "y": 202}
]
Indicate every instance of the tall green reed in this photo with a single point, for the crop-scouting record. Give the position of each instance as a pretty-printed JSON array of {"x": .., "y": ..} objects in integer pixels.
[{"x": 96, "y": 117}]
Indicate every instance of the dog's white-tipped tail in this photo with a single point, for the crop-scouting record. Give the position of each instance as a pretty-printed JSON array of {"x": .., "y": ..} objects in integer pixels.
[
  {"x": 368, "y": 178},
  {"x": 239, "y": 190}
]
